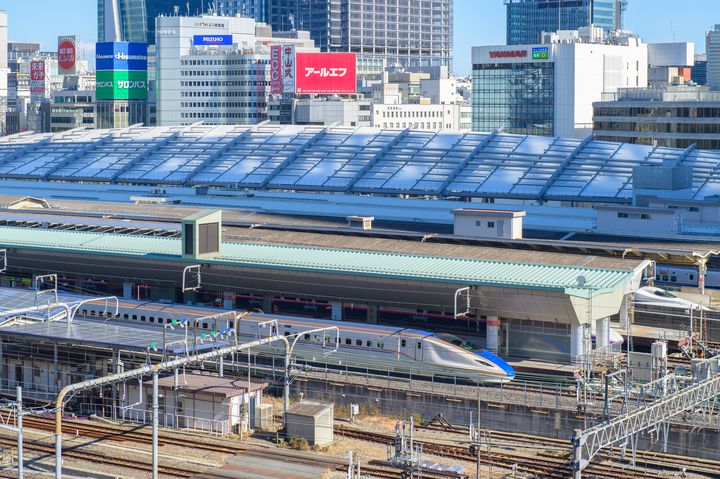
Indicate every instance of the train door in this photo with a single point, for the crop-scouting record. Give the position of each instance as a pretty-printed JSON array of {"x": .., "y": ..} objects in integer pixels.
[{"x": 418, "y": 355}]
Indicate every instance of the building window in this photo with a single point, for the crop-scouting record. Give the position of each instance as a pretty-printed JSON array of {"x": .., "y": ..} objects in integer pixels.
[
  {"x": 644, "y": 216},
  {"x": 623, "y": 215}
]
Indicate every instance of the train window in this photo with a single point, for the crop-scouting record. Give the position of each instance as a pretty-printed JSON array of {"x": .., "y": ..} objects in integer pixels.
[
  {"x": 142, "y": 318},
  {"x": 205, "y": 326},
  {"x": 92, "y": 313},
  {"x": 134, "y": 316},
  {"x": 369, "y": 344},
  {"x": 673, "y": 279},
  {"x": 152, "y": 319},
  {"x": 403, "y": 343},
  {"x": 665, "y": 278},
  {"x": 692, "y": 277},
  {"x": 231, "y": 324},
  {"x": 358, "y": 342},
  {"x": 419, "y": 345},
  {"x": 126, "y": 316},
  {"x": 348, "y": 341},
  {"x": 286, "y": 326},
  {"x": 381, "y": 346},
  {"x": 307, "y": 336},
  {"x": 160, "y": 320},
  {"x": 287, "y": 333},
  {"x": 657, "y": 277}
]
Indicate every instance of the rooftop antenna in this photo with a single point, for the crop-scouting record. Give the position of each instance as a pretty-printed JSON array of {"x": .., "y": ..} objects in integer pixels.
[
  {"x": 187, "y": 6},
  {"x": 291, "y": 19},
  {"x": 176, "y": 9}
]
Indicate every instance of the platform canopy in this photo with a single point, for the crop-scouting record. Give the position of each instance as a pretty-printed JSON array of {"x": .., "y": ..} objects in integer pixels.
[{"x": 349, "y": 160}]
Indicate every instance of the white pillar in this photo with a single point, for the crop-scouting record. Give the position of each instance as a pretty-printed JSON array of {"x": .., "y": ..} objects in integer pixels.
[
  {"x": 128, "y": 290},
  {"x": 602, "y": 333},
  {"x": 228, "y": 300},
  {"x": 625, "y": 313},
  {"x": 337, "y": 311},
  {"x": 578, "y": 345},
  {"x": 493, "y": 333}
]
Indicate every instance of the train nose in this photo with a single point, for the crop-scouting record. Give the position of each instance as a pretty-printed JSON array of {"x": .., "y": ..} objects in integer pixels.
[
  {"x": 616, "y": 338},
  {"x": 499, "y": 362}
]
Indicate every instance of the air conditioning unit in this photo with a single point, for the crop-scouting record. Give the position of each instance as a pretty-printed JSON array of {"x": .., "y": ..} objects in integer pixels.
[{"x": 263, "y": 417}]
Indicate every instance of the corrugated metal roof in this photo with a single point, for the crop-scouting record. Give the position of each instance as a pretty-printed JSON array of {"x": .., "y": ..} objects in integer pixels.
[{"x": 465, "y": 271}]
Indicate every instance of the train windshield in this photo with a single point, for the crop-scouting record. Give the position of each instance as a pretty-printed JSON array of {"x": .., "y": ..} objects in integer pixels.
[{"x": 458, "y": 341}]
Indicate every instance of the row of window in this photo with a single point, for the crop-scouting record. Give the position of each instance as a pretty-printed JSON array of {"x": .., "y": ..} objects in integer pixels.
[
  {"x": 225, "y": 83},
  {"x": 422, "y": 125},
  {"x": 144, "y": 319},
  {"x": 349, "y": 341},
  {"x": 222, "y": 94},
  {"x": 230, "y": 114},
  {"x": 217, "y": 73},
  {"x": 231, "y": 61},
  {"x": 222, "y": 104}
]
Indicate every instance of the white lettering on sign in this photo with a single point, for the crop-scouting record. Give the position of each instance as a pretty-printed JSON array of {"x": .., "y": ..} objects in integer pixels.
[{"x": 325, "y": 72}]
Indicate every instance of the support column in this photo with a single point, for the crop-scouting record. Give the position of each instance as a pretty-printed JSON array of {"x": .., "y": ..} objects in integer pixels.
[
  {"x": 128, "y": 289},
  {"x": 625, "y": 312},
  {"x": 493, "y": 333},
  {"x": 228, "y": 300},
  {"x": 602, "y": 333},
  {"x": 372, "y": 314},
  {"x": 702, "y": 271},
  {"x": 21, "y": 470},
  {"x": 267, "y": 303},
  {"x": 578, "y": 346},
  {"x": 155, "y": 421},
  {"x": 337, "y": 311}
]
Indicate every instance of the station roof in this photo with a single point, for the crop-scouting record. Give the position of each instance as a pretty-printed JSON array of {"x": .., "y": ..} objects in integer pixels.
[
  {"x": 351, "y": 160},
  {"x": 403, "y": 266},
  {"x": 102, "y": 334}
]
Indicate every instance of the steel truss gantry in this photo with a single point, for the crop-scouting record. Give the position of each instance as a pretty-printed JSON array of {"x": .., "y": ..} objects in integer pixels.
[{"x": 653, "y": 415}]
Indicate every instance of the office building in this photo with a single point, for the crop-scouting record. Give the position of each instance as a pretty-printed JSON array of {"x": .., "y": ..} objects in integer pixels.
[
  {"x": 527, "y": 19},
  {"x": 713, "y": 58},
  {"x": 72, "y": 109},
  {"x": 439, "y": 117},
  {"x": 549, "y": 88},
  {"x": 320, "y": 111},
  {"x": 134, "y": 20},
  {"x": 220, "y": 82},
  {"x": 698, "y": 72},
  {"x": 677, "y": 117},
  {"x": 670, "y": 64},
  {"x": 19, "y": 53},
  {"x": 406, "y": 33},
  {"x": 3, "y": 39},
  {"x": 4, "y": 71}
]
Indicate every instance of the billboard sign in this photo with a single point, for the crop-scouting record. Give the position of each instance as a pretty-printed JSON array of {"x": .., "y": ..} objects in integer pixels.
[
  {"x": 121, "y": 85},
  {"x": 37, "y": 80},
  {"x": 288, "y": 68},
  {"x": 67, "y": 55},
  {"x": 329, "y": 73},
  {"x": 212, "y": 40},
  {"x": 121, "y": 56},
  {"x": 540, "y": 53},
  {"x": 276, "y": 81}
]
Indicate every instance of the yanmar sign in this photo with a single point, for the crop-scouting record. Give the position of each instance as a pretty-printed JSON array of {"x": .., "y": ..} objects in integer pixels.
[{"x": 509, "y": 54}]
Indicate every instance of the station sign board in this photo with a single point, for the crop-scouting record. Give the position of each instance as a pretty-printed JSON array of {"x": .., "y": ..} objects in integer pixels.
[
  {"x": 328, "y": 73},
  {"x": 540, "y": 53}
]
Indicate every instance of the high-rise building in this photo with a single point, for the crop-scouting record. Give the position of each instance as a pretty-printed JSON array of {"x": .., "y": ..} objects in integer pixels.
[
  {"x": 3, "y": 39},
  {"x": 713, "y": 58},
  {"x": 527, "y": 19},
  {"x": 549, "y": 88},
  {"x": 406, "y": 33},
  {"x": 4, "y": 71},
  {"x": 134, "y": 20},
  {"x": 215, "y": 69}
]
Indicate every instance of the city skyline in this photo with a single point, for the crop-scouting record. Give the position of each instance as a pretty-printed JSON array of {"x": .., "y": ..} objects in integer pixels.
[{"x": 472, "y": 26}]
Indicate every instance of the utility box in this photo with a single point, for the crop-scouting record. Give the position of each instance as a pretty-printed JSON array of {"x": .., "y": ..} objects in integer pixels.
[
  {"x": 263, "y": 417},
  {"x": 202, "y": 235},
  {"x": 312, "y": 421}
]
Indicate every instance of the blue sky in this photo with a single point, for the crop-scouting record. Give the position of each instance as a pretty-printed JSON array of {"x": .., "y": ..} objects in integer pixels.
[{"x": 477, "y": 22}]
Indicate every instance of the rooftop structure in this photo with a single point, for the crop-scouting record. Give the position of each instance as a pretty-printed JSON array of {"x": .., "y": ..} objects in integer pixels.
[{"x": 350, "y": 160}]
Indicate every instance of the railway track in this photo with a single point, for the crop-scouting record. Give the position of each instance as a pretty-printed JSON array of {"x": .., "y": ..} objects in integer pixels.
[
  {"x": 84, "y": 454},
  {"x": 549, "y": 465}
]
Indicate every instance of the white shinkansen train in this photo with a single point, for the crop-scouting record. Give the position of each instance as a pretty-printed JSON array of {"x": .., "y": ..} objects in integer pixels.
[
  {"x": 685, "y": 276},
  {"x": 354, "y": 345}
]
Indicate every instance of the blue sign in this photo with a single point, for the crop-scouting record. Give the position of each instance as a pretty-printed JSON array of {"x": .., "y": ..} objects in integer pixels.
[
  {"x": 121, "y": 56},
  {"x": 212, "y": 40}
]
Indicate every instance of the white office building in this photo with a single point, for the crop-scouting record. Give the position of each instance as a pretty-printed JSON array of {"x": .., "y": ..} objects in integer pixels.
[
  {"x": 713, "y": 58},
  {"x": 549, "y": 88},
  {"x": 215, "y": 69},
  {"x": 447, "y": 117}
]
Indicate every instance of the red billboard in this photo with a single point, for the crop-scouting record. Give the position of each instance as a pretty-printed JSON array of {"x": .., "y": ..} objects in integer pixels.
[
  {"x": 325, "y": 73},
  {"x": 67, "y": 55}
]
